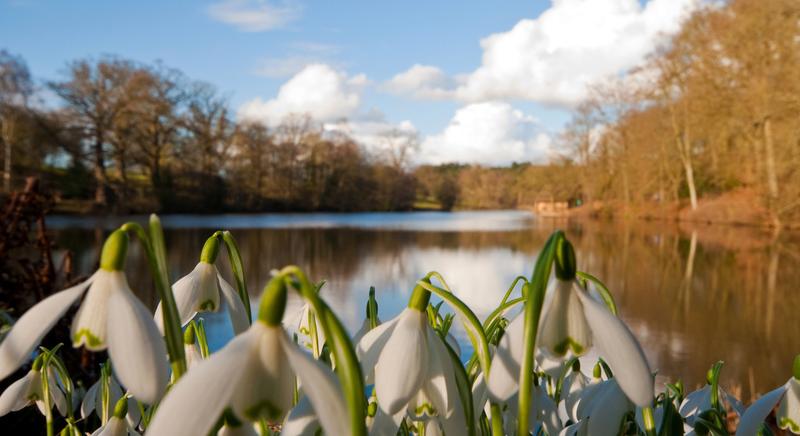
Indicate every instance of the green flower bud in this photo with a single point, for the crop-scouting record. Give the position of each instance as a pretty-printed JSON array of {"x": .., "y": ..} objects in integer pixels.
[
  {"x": 115, "y": 249},
  {"x": 796, "y": 368},
  {"x": 273, "y": 302},
  {"x": 597, "y": 370},
  {"x": 210, "y": 249}
]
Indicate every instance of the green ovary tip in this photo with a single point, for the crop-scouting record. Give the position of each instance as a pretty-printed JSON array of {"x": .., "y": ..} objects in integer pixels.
[
  {"x": 420, "y": 297},
  {"x": 273, "y": 302},
  {"x": 115, "y": 249},
  {"x": 210, "y": 249}
]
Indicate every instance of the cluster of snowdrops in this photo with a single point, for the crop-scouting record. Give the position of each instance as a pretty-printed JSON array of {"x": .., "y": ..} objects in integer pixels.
[{"x": 405, "y": 375}]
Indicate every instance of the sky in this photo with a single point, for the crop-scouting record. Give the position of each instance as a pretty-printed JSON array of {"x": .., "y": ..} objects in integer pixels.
[{"x": 475, "y": 81}]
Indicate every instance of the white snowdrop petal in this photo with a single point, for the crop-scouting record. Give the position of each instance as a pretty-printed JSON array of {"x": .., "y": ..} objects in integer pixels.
[
  {"x": 186, "y": 292},
  {"x": 384, "y": 424},
  {"x": 788, "y": 414},
  {"x": 608, "y": 410},
  {"x": 694, "y": 403},
  {"x": 370, "y": 346},
  {"x": 755, "y": 415},
  {"x": 301, "y": 420},
  {"x": 136, "y": 348},
  {"x": 31, "y": 327},
  {"x": 208, "y": 288},
  {"x": 440, "y": 374},
  {"x": 322, "y": 389},
  {"x": 554, "y": 327},
  {"x": 89, "y": 400},
  {"x": 15, "y": 396},
  {"x": 504, "y": 373},
  {"x": 236, "y": 310},
  {"x": 266, "y": 389},
  {"x": 621, "y": 350},
  {"x": 403, "y": 363},
  {"x": 90, "y": 324},
  {"x": 193, "y": 356},
  {"x": 195, "y": 403}
]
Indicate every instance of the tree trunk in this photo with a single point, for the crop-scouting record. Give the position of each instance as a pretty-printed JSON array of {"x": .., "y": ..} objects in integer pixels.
[
  {"x": 769, "y": 157},
  {"x": 100, "y": 198},
  {"x": 7, "y": 132}
]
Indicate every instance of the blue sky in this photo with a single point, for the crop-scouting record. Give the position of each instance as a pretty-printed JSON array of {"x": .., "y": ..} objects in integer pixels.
[{"x": 463, "y": 107}]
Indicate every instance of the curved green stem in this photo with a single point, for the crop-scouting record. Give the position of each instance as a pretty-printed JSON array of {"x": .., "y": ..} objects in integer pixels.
[
  {"x": 155, "y": 253},
  {"x": 237, "y": 267},
  {"x": 533, "y": 311},
  {"x": 605, "y": 294},
  {"x": 347, "y": 368}
]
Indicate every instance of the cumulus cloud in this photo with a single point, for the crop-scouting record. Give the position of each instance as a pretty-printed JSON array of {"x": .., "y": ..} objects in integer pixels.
[
  {"x": 254, "y": 15},
  {"x": 552, "y": 58},
  {"x": 489, "y": 133},
  {"x": 421, "y": 81},
  {"x": 317, "y": 90}
]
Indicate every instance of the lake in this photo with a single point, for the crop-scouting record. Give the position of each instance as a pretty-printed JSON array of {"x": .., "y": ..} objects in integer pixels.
[{"x": 691, "y": 294}]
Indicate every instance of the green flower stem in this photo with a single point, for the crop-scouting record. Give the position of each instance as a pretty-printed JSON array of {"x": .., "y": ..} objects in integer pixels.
[
  {"x": 649, "y": 421},
  {"x": 533, "y": 312},
  {"x": 347, "y": 367},
  {"x": 237, "y": 267},
  {"x": 105, "y": 391},
  {"x": 476, "y": 334},
  {"x": 157, "y": 263},
  {"x": 69, "y": 387},
  {"x": 45, "y": 375},
  {"x": 202, "y": 340},
  {"x": 605, "y": 294}
]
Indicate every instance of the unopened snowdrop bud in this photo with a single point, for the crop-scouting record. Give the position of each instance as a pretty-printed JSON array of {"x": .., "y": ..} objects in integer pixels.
[
  {"x": 273, "y": 302},
  {"x": 189, "y": 337},
  {"x": 115, "y": 249},
  {"x": 597, "y": 370}
]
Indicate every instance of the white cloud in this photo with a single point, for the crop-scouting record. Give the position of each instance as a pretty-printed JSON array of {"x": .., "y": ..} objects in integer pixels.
[
  {"x": 254, "y": 15},
  {"x": 488, "y": 133},
  {"x": 552, "y": 58},
  {"x": 317, "y": 90},
  {"x": 421, "y": 81}
]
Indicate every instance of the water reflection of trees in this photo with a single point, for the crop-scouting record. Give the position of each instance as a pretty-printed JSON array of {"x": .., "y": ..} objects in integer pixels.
[{"x": 692, "y": 295}]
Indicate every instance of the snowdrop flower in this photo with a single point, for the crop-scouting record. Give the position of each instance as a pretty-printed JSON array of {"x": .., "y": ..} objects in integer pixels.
[
  {"x": 412, "y": 367},
  {"x": 254, "y": 375},
  {"x": 93, "y": 401},
  {"x": 203, "y": 289},
  {"x": 117, "y": 425},
  {"x": 699, "y": 401},
  {"x": 603, "y": 406},
  {"x": 29, "y": 390},
  {"x": 301, "y": 322},
  {"x": 190, "y": 349},
  {"x": 110, "y": 317},
  {"x": 786, "y": 397},
  {"x": 543, "y": 413},
  {"x": 574, "y": 320},
  {"x": 301, "y": 420}
]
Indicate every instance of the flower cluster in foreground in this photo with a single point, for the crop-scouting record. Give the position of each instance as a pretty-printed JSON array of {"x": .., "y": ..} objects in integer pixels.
[{"x": 556, "y": 360}]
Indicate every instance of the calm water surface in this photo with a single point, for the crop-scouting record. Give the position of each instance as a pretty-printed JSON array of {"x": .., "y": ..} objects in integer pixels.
[{"x": 692, "y": 295}]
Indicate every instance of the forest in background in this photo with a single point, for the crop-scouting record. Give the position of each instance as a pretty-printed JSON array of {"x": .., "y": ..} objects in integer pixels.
[{"x": 714, "y": 113}]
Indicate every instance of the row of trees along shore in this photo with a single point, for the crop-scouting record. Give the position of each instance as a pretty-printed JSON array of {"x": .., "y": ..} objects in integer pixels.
[{"x": 713, "y": 112}]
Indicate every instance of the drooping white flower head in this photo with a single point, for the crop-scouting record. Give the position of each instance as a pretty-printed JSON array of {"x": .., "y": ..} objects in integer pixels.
[
  {"x": 93, "y": 401},
  {"x": 118, "y": 425},
  {"x": 203, "y": 290},
  {"x": 575, "y": 320},
  {"x": 412, "y": 367},
  {"x": 786, "y": 397},
  {"x": 30, "y": 390},
  {"x": 254, "y": 375},
  {"x": 110, "y": 317}
]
